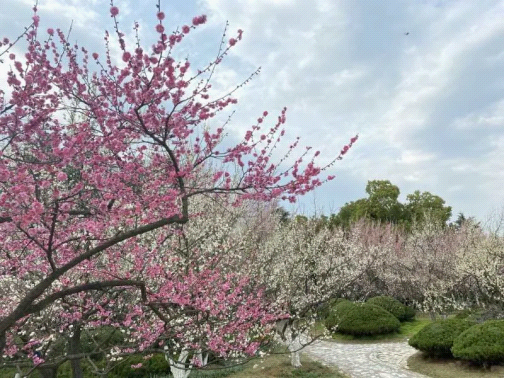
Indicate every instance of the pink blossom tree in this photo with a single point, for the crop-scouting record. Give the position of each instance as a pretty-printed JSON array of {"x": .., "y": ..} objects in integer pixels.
[{"x": 78, "y": 194}]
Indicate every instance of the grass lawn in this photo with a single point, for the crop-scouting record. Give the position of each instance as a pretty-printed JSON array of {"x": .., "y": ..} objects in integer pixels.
[
  {"x": 450, "y": 368},
  {"x": 279, "y": 366}
]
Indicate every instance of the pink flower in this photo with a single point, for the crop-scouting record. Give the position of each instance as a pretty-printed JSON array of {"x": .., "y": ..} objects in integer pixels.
[
  {"x": 199, "y": 20},
  {"x": 50, "y": 31},
  {"x": 354, "y": 139},
  {"x": 160, "y": 28},
  {"x": 61, "y": 176},
  {"x": 12, "y": 56},
  {"x": 232, "y": 41},
  {"x": 114, "y": 11},
  {"x": 265, "y": 114},
  {"x": 138, "y": 365},
  {"x": 126, "y": 56},
  {"x": 160, "y": 15},
  {"x": 95, "y": 56},
  {"x": 185, "y": 29}
]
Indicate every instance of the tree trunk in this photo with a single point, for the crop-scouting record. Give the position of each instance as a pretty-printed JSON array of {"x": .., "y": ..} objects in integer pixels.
[
  {"x": 74, "y": 348},
  {"x": 178, "y": 368},
  {"x": 294, "y": 347},
  {"x": 295, "y": 359}
]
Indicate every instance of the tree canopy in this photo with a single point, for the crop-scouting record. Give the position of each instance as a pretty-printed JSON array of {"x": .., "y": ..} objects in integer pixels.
[{"x": 382, "y": 205}]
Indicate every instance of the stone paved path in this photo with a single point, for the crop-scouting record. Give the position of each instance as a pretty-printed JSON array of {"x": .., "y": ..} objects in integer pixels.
[{"x": 365, "y": 360}]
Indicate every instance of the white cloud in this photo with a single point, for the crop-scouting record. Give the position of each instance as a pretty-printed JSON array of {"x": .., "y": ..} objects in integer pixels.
[
  {"x": 490, "y": 117},
  {"x": 428, "y": 105},
  {"x": 433, "y": 68},
  {"x": 415, "y": 156}
]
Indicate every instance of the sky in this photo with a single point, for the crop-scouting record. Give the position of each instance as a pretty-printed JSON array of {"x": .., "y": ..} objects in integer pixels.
[{"x": 428, "y": 105}]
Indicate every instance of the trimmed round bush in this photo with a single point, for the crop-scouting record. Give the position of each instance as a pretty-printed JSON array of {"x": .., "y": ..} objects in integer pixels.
[
  {"x": 324, "y": 310},
  {"x": 437, "y": 338},
  {"x": 479, "y": 315},
  {"x": 463, "y": 314},
  {"x": 409, "y": 314},
  {"x": 367, "y": 319},
  {"x": 390, "y": 304},
  {"x": 338, "y": 312},
  {"x": 481, "y": 343}
]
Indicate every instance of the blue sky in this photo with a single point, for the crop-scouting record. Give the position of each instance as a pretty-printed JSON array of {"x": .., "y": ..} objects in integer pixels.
[{"x": 428, "y": 105}]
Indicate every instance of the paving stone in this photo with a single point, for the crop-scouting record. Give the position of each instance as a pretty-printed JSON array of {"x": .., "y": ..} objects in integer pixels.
[{"x": 365, "y": 360}]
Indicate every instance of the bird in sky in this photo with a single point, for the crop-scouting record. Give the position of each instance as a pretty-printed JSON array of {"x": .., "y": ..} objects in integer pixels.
[{"x": 407, "y": 33}]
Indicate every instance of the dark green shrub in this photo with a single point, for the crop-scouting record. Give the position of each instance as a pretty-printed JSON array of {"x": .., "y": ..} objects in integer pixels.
[
  {"x": 324, "y": 309},
  {"x": 156, "y": 365},
  {"x": 409, "y": 314},
  {"x": 8, "y": 372},
  {"x": 463, "y": 314},
  {"x": 65, "y": 369},
  {"x": 338, "y": 312},
  {"x": 341, "y": 300},
  {"x": 367, "y": 319},
  {"x": 436, "y": 339},
  {"x": 390, "y": 304},
  {"x": 480, "y": 315},
  {"x": 482, "y": 343}
]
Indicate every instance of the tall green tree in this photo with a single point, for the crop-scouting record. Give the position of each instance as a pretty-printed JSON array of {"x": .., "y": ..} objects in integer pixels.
[
  {"x": 382, "y": 206},
  {"x": 421, "y": 205},
  {"x": 382, "y": 202}
]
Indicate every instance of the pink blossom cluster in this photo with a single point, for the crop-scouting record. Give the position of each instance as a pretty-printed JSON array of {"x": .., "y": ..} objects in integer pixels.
[{"x": 77, "y": 194}]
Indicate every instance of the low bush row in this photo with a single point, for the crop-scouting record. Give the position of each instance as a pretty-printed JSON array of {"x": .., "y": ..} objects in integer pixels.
[
  {"x": 393, "y": 306},
  {"x": 462, "y": 339}
]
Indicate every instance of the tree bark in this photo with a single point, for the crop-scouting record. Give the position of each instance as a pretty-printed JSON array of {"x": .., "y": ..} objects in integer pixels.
[{"x": 74, "y": 348}]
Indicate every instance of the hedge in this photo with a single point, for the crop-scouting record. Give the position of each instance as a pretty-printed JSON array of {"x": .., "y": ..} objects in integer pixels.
[
  {"x": 437, "y": 338},
  {"x": 482, "y": 343},
  {"x": 365, "y": 319},
  {"x": 393, "y": 306},
  {"x": 337, "y": 313}
]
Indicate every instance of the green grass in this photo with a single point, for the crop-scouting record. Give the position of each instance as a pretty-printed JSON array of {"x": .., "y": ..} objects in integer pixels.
[
  {"x": 451, "y": 368},
  {"x": 409, "y": 328},
  {"x": 279, "y": 366}
]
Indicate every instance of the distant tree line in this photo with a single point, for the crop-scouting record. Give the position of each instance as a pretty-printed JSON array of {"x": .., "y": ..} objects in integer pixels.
[{"x": 382, "y": 206}]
